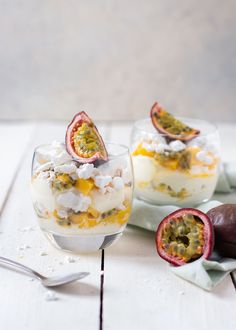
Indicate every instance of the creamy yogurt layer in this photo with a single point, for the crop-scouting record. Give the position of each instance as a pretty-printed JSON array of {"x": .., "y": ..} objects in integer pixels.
[{"x": 70, "y": 198}]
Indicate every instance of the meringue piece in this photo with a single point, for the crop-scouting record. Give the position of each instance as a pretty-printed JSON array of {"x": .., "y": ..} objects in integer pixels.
[
  {"x": 148, "y": 146},
  {"x": 118, "y": 183},
  {"x": 101, "y": 181},
  {"x": 85, "y": 171},
  {"x": 61, "y": 158},
  {"x": 45, "y": 167},
  {"x": 66, "y": 168},
  {"x": 202, "y": 156},
  {"x": 74, "y": 201},
  {"x": 63, "y": 214},
  {"x": 177, "y": 145},
  {"x": 161, "y": 147},
  {"x": 70, "y": 260},
  {"x": 51, "y": 296}
]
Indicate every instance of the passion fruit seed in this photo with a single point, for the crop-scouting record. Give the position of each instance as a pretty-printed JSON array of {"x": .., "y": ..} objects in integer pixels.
[
  {"x": 183, "y": 237},
  {"x": 171, "y": 124},
  {"x": 62, "y": 181},
  {"x": 85, "y": 141}
]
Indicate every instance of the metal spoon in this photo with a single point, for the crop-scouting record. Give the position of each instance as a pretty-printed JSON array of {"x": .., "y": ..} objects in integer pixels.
[{"x": 46, "y": 281}]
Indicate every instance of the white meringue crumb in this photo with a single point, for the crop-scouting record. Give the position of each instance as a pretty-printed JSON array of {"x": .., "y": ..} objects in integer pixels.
[
  {"x": 66, "y": 168},
  {"x": 26, "y": 229},
  {"x": 76, "y": 202},
  {"x": 177, "y": 146},
  {"x": 70, "y": 259},
  {"x": 62, "y": 214},
  {"x": 45, "y": 167},
  {"x": 51, "y": 269},
  {"x": 118, "y": 183},
  {"x": 51, "y": 296},
  {"x": 23, "y": 247},
  {"x": 181, "y": 293},
  {"x": 203, "y": 157},
  {"x": 101, "y": 181},
  {"x": 161, "y": 147},
  {"x": 148, "y": 146},
  {"x": 85, "y": 171}
]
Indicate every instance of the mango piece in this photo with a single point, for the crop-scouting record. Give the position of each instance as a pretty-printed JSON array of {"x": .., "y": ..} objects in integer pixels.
[
  {"x": 79, "y": 218},
  {"x": 84, "y": 185},
  {"x": 141, "y": 151},
  {"x": 95, "y": 213}
]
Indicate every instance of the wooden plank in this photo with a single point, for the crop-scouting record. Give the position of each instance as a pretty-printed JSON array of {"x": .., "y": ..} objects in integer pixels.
[
  {"x": 78, "y": 304},
  {"x": 141, "y": 293},
  {"x": 14, "y": 139}
]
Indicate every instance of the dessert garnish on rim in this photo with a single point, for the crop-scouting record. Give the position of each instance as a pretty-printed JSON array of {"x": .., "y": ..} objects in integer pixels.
[
  {"x": 167, "y": 124},
  {"x": 83, "y": 141}
]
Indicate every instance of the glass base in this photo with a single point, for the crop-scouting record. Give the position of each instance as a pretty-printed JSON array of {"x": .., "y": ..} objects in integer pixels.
[
  {"x": 174, "y": 203},
  {"x": 82, "y": 244}
]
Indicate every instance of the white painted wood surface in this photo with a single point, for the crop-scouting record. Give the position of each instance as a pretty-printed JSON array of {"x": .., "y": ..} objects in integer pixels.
[{"x": 139, "y": 291}]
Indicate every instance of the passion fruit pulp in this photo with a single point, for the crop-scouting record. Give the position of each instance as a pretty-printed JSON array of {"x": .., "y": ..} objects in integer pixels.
[
  {"x": 184, "y": 236},
  {"x": 83, "y": 141},
  {"x": 173, "y": 128}
]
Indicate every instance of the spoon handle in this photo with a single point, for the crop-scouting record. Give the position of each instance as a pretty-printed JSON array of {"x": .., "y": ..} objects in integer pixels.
[{"x": 16, "y": 265}]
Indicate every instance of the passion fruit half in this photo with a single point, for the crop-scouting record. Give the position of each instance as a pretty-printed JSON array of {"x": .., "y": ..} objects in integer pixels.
[
  {"x": 173, "y": 128},
  {"x": 83, "y": 141},
  {"x": 184, "y": 236}
]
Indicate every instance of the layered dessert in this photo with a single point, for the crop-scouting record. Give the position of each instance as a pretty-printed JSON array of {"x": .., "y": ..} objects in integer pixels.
[
  {"x": 174, "y": 163},
  {"x": 82, "y": 187}
]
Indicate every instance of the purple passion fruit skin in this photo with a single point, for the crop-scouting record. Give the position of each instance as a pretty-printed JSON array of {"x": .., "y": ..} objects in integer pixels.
[
  {"x": 173, "y": 128},
  {"x": 184, "y": 236},
  {"x": 223, "y": 218},
  {"x": 83, "y": 141}
]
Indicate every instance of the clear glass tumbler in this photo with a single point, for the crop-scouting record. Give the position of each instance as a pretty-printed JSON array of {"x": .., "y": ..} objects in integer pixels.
[
  {"x": 81, "y": 207},
  {"x": 172, "y": 172}
]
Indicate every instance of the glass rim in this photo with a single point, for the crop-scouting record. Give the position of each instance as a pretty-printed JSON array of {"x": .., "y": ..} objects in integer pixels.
[
  {"x": 125, "y": 148},
  {"x": 214, "y": 128}
]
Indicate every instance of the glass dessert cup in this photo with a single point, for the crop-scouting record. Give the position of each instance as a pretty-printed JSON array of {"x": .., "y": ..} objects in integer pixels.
[
  {"x": 172, "y": 172},
  {"x": 81, "y": 207}
]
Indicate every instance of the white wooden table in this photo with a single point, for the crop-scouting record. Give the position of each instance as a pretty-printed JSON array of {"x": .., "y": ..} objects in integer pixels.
[{"x": 139, "y": 291}]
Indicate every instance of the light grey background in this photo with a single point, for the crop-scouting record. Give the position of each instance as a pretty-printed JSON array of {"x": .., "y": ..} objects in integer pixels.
[{"x": 114, "y": 58}]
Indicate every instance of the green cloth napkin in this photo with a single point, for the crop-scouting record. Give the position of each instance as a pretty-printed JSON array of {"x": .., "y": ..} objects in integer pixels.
[
  {"x": 227, "y": 178},
  {"x": 203, "y": 273}
]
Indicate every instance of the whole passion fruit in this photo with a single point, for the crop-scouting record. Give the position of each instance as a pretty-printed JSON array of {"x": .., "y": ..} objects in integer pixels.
[
  {"x": 223, "y": 218},
  {"x": 83, "y": 141},
  {"x": 184, "y": 236},
  {"x": 173, "y": 128}
]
